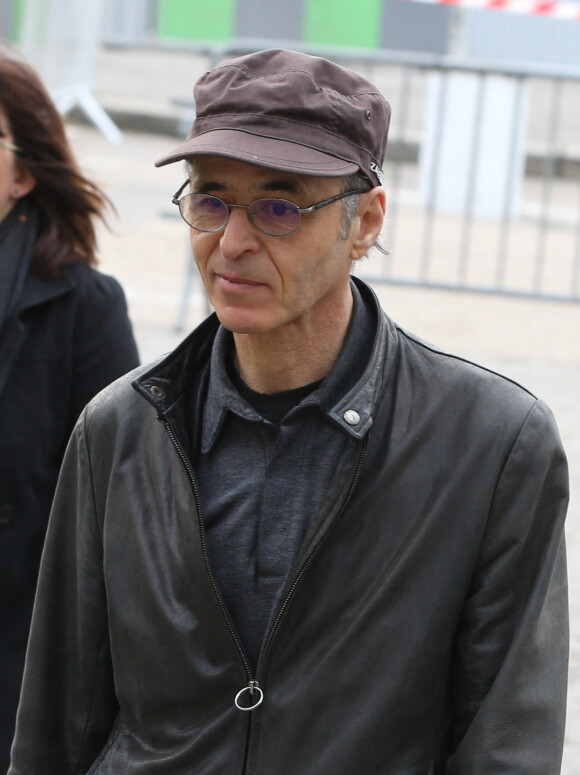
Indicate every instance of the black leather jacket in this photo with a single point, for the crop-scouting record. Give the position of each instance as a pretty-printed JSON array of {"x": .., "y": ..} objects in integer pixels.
[{"x": 425, "y": 631}]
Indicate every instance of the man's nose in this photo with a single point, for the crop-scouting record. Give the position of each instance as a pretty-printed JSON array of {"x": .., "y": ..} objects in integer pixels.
[{"x": 239, "y": 235}]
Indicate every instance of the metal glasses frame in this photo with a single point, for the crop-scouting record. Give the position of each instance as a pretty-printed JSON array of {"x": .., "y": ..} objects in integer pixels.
[
  {"x": 9, "y": 145},
  {"x": 176, "y": 199}
]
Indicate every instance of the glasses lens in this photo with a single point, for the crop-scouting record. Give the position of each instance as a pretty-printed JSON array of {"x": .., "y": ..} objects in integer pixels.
[
  {"x": 276, "y": 217},
  {"x": 204, "y": 213}
]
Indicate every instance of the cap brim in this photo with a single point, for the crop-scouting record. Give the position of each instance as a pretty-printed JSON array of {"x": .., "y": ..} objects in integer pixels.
[{"x": 262, "y": 151}]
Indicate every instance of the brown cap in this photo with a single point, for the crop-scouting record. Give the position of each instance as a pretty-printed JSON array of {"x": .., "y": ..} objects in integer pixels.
[{"x": 289, "y": 111}]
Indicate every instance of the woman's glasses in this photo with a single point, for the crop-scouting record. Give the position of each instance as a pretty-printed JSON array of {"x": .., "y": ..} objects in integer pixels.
[
  {"x": 274, "y": 217},
  {"x": 9, "y": 145}
]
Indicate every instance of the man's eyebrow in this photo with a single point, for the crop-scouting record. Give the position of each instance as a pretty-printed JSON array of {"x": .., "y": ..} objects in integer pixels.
[
  {"x": 209, "y": 185},
  {"x": 280, "y": 185},
  {"x": 269, "y": 186}
]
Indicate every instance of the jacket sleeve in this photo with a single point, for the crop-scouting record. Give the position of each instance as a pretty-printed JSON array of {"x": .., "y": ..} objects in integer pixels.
[
  {"x": 512, "y": 645},
  {"x": 104, "y": 346},
  {"x": 68, "y": 704}
]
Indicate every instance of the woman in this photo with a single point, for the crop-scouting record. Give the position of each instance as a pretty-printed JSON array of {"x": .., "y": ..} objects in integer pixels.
[{"x": 64, "y": 335}]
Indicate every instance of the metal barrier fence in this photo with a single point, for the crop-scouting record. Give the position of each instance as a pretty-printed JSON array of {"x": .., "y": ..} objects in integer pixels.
[
  {"x": 482, "y": 172},
  {"x": 487, "y": 197}
]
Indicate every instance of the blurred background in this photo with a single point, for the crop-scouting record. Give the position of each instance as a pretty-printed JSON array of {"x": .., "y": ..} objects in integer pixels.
[{"x": 482, "y": 170}]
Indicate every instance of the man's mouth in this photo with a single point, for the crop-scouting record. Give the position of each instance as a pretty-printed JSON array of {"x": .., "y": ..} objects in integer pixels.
[{"x": 236, "y": 283}]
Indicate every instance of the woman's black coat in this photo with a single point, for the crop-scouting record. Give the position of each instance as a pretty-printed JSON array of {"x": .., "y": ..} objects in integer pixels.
[{"x": 70, "y": 338}]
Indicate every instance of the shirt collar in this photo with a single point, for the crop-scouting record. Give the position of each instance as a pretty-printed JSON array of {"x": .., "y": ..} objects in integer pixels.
[{"x": 222, "y": 396}]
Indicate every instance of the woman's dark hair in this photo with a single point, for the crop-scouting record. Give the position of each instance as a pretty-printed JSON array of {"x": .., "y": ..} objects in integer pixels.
[{"x": 67, "y": 202}]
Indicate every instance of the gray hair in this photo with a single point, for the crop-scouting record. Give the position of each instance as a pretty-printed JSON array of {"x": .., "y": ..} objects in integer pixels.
[{"x": 350, "y": 205}]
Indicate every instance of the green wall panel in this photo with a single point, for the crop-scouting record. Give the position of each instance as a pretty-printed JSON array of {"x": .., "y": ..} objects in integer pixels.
[
  {"x": 197, "y": 19},
  {"x": 344, "y": 22}
]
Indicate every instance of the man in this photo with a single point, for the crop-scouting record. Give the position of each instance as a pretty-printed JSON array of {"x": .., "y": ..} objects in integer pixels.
[{"x": 305, "y": 542}]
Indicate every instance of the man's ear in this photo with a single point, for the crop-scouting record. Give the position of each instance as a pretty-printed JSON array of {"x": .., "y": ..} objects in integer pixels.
[
  {"x": 24, "y": 182},
  {"x": 369, "y": 221}
]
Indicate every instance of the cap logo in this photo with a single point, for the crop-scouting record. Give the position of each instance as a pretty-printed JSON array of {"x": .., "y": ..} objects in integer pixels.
[{"x": 378, "y": 172}]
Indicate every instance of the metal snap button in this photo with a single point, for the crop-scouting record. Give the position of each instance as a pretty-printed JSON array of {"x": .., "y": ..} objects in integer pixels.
[
  {"x": 351, "y": 417},
  {"x": 156, "y": 391}
]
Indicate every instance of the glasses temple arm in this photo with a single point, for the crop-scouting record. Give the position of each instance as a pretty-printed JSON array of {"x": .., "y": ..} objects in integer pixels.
[
  {"x": 332, "y": 199},
  {"x": 175, "y": 197}
]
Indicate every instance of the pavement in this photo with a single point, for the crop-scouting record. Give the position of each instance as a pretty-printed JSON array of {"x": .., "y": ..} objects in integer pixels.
[{"x": 534, "y": 342}]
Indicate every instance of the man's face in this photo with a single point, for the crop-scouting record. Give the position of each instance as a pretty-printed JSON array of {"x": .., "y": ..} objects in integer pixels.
[{"x": 261, "y": 284}]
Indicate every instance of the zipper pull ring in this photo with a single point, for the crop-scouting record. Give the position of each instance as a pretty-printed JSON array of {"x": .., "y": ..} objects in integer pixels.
[{"x": 253, "y": 689}]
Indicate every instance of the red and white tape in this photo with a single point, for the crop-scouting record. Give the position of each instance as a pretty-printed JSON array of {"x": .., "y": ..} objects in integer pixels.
[{"x": 553, "y": 10}]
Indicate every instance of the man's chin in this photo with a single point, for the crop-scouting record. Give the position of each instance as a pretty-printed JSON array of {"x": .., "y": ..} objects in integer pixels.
[{"x": 244, "y": 321}]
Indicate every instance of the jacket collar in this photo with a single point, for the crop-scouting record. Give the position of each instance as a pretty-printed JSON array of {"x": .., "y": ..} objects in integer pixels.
[
  {"x": 165, "y": 383},
  {"x": 38, "y": 291}
]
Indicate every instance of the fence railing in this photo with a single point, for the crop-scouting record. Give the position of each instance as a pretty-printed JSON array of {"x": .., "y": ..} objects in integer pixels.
[{"x": 485, "y": 183}]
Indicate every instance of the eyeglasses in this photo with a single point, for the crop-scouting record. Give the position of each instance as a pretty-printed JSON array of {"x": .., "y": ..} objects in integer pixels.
[
  {"x": 274, "y": 217},
  {"x": 9, "y": 145}
]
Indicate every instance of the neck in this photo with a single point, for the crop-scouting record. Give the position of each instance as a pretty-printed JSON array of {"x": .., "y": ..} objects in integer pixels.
[{"x": 294, "y": 355}]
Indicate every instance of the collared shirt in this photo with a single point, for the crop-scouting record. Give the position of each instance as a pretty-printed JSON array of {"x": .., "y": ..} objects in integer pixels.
[{"x": 262, "y": 483}]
